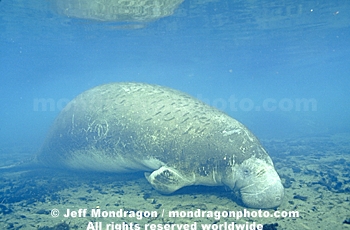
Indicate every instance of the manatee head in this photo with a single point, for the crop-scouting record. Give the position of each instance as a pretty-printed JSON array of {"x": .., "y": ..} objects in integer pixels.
[{"x": 258, "y": 184}]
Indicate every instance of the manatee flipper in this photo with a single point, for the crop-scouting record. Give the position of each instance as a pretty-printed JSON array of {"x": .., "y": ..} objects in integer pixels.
[{"x": 167, "y": 180}]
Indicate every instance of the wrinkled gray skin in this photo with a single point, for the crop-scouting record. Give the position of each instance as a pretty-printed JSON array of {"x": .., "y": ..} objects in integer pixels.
[{"x": 174, "y": 138}]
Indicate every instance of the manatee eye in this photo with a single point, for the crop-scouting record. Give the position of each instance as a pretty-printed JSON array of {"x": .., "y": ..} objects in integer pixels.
[{"x": 246, "y": 172}]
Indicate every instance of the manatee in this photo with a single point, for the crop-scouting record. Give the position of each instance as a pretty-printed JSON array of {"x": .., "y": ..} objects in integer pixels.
[
  {"x": 175, "y": 139},
  {"x": 116, "y": 10}
]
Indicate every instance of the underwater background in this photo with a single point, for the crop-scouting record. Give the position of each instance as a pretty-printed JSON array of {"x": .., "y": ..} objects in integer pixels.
[{"x": 282, "y": 68}]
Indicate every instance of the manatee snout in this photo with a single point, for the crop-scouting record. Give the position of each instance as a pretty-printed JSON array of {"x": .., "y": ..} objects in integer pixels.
[
  {"x": 259, "y": 185},
  {"x": 261, "y": 195}
]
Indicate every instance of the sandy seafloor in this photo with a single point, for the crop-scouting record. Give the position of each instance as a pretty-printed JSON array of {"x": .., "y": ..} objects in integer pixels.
[{"x": 315, "y": 172}]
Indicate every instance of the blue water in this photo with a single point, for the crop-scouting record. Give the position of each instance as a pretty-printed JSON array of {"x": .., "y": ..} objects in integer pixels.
[{"x": 258, "y": 62}]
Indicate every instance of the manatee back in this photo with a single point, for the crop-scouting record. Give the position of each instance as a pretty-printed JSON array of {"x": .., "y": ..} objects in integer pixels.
[{"x": 136, "y": 126}]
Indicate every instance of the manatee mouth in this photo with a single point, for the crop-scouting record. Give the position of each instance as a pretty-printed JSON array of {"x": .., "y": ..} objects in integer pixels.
[{"x": 269, "y": 196}]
